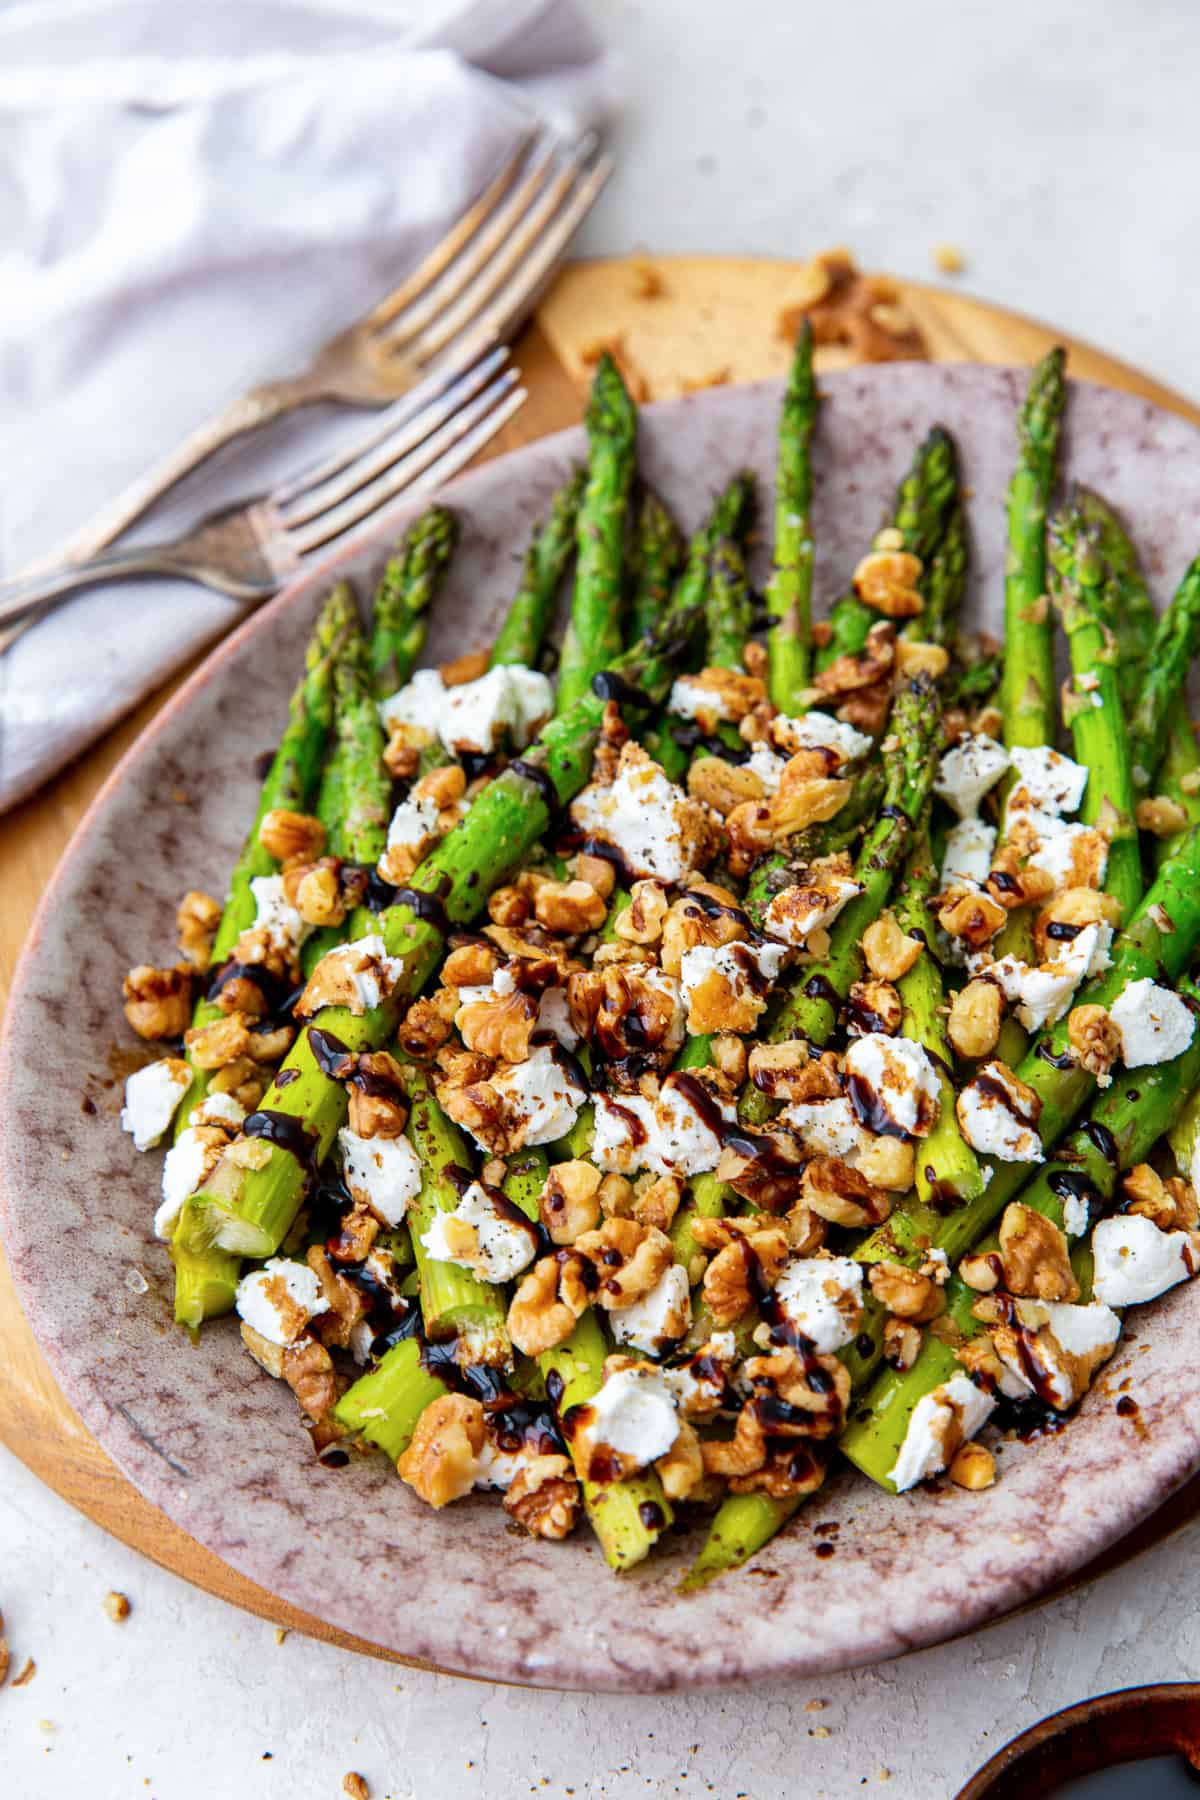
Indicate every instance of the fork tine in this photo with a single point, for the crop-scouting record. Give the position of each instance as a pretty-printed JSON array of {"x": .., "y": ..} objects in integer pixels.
[
  {"x": 478, "y": 421},
  {"x": 460, "y": 233},
  {"x": 489, "y": 310},
  {"x": 544, "y": 169},
  {"x": 401, "y": 428}
]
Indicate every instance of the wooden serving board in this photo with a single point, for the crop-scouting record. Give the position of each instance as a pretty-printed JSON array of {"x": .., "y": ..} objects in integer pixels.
[{"x": 679, "y": 322}]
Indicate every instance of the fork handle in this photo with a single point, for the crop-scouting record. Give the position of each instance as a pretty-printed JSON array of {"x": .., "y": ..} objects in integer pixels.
[
  {"x": 26, "y": 595},
  {"x": 259, "y": 406}
]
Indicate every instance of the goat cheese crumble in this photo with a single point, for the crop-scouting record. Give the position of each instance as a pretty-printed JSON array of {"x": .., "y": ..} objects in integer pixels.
[
  {"x": 503, "y": 1246},
  {"x": 969, "y": 771},
  {"x": 822, "y": 1297},
  {"x": 279, "y": 1299},
  {"x": 1136, "y": 1262},
  {"x": 658, "y": 828},
  {"x": 382, "y": 1173},
  {"x": 634, "y": 1414},
  {"x": 507, "y": 704},
  {"x": 151, "y": 1097},
  {"x": 657, "y": 1318},
  {"x": 995, "y": 1117},
  {"x": 968, "y": 858},
  {"x": 1047, "y": 780},
  {"x": 666, "y": 1135},
  {"x": 893, "y": 1085},
  {"x": 957, "y": 1407},
  {"x": 1155, "y": 1025}
]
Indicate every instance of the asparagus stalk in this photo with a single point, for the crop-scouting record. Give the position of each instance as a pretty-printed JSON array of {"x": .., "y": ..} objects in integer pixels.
[
  {"x": 205, "y": 1277},
  {"x": 945, "y": 584},
  {"x": 253, "y": 1212},
  {"x": 383, "y": 1405},
  {"x": 1178, "y": 777},
  {"x": 789, "y": 591},
  {"x": 728, "y": 605},
  {"x": 403, "y": 598},
  {"x": 1078, "y": 582},
  {"x": 1027, "y": 690},
  {"x": 1176, "y": 642},
  {"x": 1132, "y": 1115},
  {"x": 1133, "y": 617},
  {"x": 594, "y": 635},
  {"x": 531, "y": 609},
  {"x": 924, "y": 503},
  {"x": 658, "y": 552}
]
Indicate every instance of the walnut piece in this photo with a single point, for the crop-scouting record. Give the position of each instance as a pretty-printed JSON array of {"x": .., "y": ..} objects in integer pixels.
[
  {"x": 428, "y": 1023},
  {"x": 378, "y": 1107},
  {"x": 548, "y": 1301},
  {"x": 905, "y": 1292},
  {"x": 876, "y": 1006},
  {"x": 224, "y": 1041},
  {"x": 887, "y": 1162},
  {"x": 973, "y": 917},
  {"x": 750, "y": 1253},
  {"x": 843, "y": 1195},
  {"x": 196, "y": 921},
  {"x": 1161, "y": 815},
  {"x": 291, "y": 836},
  {"x": 569, "y": 907},
  {"x": 309, "y": 1372},
  {"x": 441, "y": 1461},
  {"x": 1095, "y": 1041},
  {"x": 723, "y": 785},
  {"x": 976, "y": 1012},
  {"x": 569, "y": 1203},
  {"x": 630, "y": 1258},
  {"x": 543, "y": 1496},
  {"x": 973, "y": 1467},
  {"x": 901, "y": 1343},
  {"x": 470, "y": 965},
  {"x": 887, "y": 580},
  {"x": 889, "y": 952},
  {"x": 158, "y": 1002},
  {"x": 500, "y": 1027},
  {"x": 787, "y": 1071},
  {"x": 657, "y": 1203},
  {"x": 1035, "y": 1256}
]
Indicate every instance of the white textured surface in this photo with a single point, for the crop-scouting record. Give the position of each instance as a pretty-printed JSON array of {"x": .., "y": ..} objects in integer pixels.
[
  {"x": 184, "y": 1700},
  {"x": 1051, "y": 151}
]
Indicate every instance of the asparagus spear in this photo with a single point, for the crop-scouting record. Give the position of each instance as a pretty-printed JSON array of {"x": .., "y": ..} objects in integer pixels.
[
  {"x": 658, "y": 552},
  {"x": 403, "y": 597},
  {"x": 1178, "y": 777},
  {"x": 1078, "y": 583},
  {"x": 945, "y": 584},
  {"x": 519, "y": 639},
  {"x": 1176, "y": 642},
  {"x": 206, "y": 1278},
  {"x": 924, "y": 503},
  {"x": 1125, "y": 1124},
  {"x": 253, "y": 1212},
  {"x": 594, "y": 635},
  {"x": 728, "y": 605},
  {"x": 1133, "y": 617},
  {"x": 789, "y": 591},
  {"x": 1027, "y": 691}
]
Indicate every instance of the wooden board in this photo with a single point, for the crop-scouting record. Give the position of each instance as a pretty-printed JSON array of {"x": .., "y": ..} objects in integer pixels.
[{"x": 710, "y": 319}]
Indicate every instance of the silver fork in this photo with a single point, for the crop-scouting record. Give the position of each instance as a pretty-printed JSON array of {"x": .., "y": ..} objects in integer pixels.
[
  {"x": 468, "y": 295},
  {"x": 249, "y": 551}
]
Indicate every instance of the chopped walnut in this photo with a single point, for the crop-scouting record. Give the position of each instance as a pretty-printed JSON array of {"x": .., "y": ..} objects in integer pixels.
[
  {"x": 269, "y": 1046},
  {"x": 377, "y": 1105},
  {"x": 905, "y": 1292},
  {"x": 346, "y": 1303},
  {"x": 887, "y": 1162},
  {"x": 1161, "y": 815},
  {"x": 440, "y": 1463},
  {"x": 681, "y": 1470},
  {"x": 1094, "y": 1040},
  {"x": 789, "y": 1472},
  {"x": 875, "y": 1006},
  {"x": 196, "y": 921},
  {"x": 240, "y": 994},
  {"x": 889, "y": 952},
  {"x": 1035, "y": 1256},
  {"x": 500, "y": 1027},
  {"x": 787, "y": 1071},
  {"x": 744, "y": 1452},
  {"x": 1078, "y": 906},
  {"x": 982, "y": 1272},
  {"x": 243, "y": 1079},
  {"x": 597, "y": 871},
  {"x": 616, "y": 1197},
  {"x": 428, "y": 1023},
  {"x": 1148, "y": 1194},
  {"x": 224, "y": 1041},
  {"x": 804, "y": 799},
  {"x": 750, "y": 833},
  {"x": 402, "y": 753},
  {"x": 976, "y": 1012},
  {"x": 839, "y": 1193},
  {"x": 509, "y": 906},
  {"x": 973, "y": 1467},
  {"x": 973, "y": 917},
  {"x": 658, "y": 1201},
  {"x": 901, "y": 1343},
  {"x": 628, "y": 1257},
  {"x": 158, "y": 1002},
  {"x": 1011, "y": 884},
  {"x": 470, "y": 666},
  {"x": 887, "y": 580},
  {"x": 806, "y": 1232},
  {"x": 309, "y": 1372},
  {"x": 796, "y": 1395},
  {"x": 291, "y": 836},
  {"x": 723, "y": 785},
  {"x": 874, "y": 663},
  {"x": 708, "y": 916},
  {"x": 354, "y": 1786},
  {"x": 641, "y": 922},
  {"x": 470, "y": 965},
  {"x": 734, "y": 694},
  {"x": 548, "y": 1301},
  {"x": 861, "y": 316},
  {"x": 627, "y": 1011},
  {"x": 729, "y": 1056},
  {"x": 543, "y": 1496},
  {"x": 916, "y": 658},
  {"x": 750, "y": 1253},
  {"x": 570, "y": 907},
  {"x": 569, "y": 1203}
]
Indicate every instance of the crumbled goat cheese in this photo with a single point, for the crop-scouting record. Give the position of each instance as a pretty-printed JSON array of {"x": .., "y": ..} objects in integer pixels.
[
  {"x": 1076, "y": 1214},
  {"x": 541, "y": 1093},
  {"x": 503, "y": 1245},
  {"x": 151, "y": 1096},
  {"x": 1136, "y": 1262},
  {"x": 820, "y": 731},
  {"x": 634, "y": 1414},
  {"x": 822, "y": 1297},
  {"x": 1087, "y": 953},
  {"x": 691, "y": 699},
  {"x": 1041, "y": 992},
  {"x": 507, "y": 704},
  {"x": 275, "y": 915},
  {"x": 656, "y": 826},
  {"x": 414, "y": 822},
  {"x": 1069, "y": 852},
  {"x": 825, "y": 1127},
  {"x": 699, "y": 1383},
  {"x": 659, "y": 1317},
  {"x": 554, "y": 1016},
  {"x": 371, "y": 972},
  {"x": 968, "y": 771},
  {"x": 1047, "y": 779},
  {"x": 892, "y": 1084},
  {"x": 796, "y": 912},
  {"x": 767, "y": 766},
  {"x": 1070, "y": 1336},
  {"x": 382, "y": 1173},
  {"x": 957, "y": 1402},
  {"x": 190, "y": 1161},
  {"x": 1155, "y": 1025},
  {"x": 666, "y": 1135},
  {"x": 279, "y": 1299},
  {"x": 496, "y": 1468},
  {"x": 994, "y": 1118},
  {"x": 969, "y": 847},
  {"x": 747, "y": 969}
]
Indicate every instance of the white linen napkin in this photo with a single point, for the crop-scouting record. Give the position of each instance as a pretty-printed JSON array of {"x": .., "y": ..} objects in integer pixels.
[{"x": 194, "y": 198}]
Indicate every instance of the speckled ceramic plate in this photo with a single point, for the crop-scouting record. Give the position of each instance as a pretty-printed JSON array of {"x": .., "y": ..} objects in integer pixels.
[{"x": 217, "y": 1445}]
